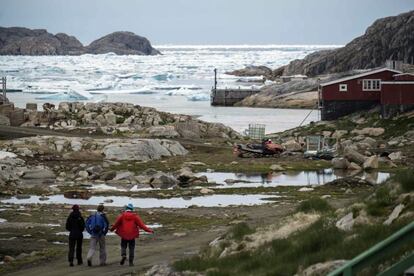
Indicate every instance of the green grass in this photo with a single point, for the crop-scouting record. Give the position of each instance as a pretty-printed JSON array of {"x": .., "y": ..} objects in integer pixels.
[
  {"x": 314, "y": 204},
  {"x": 238, "y": 231},
  {"x": 406, "y": 179},
  {"x": 321, "y": 242},
  {"x": 381, "y": 201}
]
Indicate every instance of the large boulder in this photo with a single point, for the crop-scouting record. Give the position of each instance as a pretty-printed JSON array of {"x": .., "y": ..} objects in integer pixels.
[
  {"x": 163, "y": 131},
  {"x": 4, "y": 120},
  {"x": 340, "y": 163},
  {"x": 122, "y": 43},
  {"x": 371, "y": 163},
  {"x": 369, "y": 131},
  {"x": 143, "y": 150},
  {"x": 354, "y": 156},
  {"x": 292, "y": 145},
  {"x": 38, "y": 174}
]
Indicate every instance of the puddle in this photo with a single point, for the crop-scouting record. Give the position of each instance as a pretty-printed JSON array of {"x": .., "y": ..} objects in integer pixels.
[
  {"x": 288, "y": 178},
  {"x": 87, "y": 236},
  {"x": 175, "y": 202},
  {"x": 3, "y": 220}
]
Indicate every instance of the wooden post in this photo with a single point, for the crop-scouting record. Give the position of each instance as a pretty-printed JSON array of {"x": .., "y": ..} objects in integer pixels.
[
  {"x": 215, "y": 79},
  {"x": 3, "y": 80}
]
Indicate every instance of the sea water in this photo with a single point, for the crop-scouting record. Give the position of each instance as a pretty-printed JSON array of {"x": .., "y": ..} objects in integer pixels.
[{"x": 178, "y": 81}]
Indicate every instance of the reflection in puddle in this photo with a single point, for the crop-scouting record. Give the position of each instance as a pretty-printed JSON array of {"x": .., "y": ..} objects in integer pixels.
[
  {"x": 289, "y": 178},
  {"x": 175, "y": 202}
]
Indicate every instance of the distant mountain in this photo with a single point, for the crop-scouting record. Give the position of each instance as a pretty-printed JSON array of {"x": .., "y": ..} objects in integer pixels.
[
  {"x": 23, "y": 41},
  {"x": 387, "y": 38}
]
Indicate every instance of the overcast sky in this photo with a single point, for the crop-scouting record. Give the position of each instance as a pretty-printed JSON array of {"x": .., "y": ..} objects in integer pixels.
[{"x": 205, "y": 21}]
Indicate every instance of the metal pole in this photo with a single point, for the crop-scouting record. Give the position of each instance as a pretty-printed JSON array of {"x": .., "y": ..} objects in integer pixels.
[
  {"x": 215, "y": 79},
  {"x": 4, "y": 88}
]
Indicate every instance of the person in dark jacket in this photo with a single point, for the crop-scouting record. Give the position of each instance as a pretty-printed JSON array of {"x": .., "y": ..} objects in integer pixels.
[
  {"x": 75, "y": 224},
  {"x": 127, "y": 226}
]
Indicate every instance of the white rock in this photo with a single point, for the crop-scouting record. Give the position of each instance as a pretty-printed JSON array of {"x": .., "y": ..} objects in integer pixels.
[
  {"x": 396, "y": 156},
  {"x": 292, "y": 145},
  {"x": 346, "y": 223},
  {"x": 371, "y": 163},
  {"x": 305, "y": 189},
  {"x": 340, "y": 163},
  {"x": 276, "y": 167},
  {"x": 394, "y": 214},
  {"x": 205, "y": 191},
  {"x": 6, "y": 154}
]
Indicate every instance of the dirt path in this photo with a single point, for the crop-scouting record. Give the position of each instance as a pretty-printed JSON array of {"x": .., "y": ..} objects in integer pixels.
[
  {"x": 149, "y": 251},
  {"x": 161, "y": 248}
]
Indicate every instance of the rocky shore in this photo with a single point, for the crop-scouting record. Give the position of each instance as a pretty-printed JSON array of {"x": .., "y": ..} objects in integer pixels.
[{"x": 23, "y": 41}]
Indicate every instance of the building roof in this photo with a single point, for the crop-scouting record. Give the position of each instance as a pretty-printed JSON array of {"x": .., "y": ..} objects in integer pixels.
[{"x": 361, "y": 75}]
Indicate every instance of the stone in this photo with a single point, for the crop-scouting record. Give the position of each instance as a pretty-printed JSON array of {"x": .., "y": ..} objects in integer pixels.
[
  {"x": 4, "y": 121},
  {"x": 371, "y": 163},
  {"x": 276, "y": 167},
  {"x": 340, "y": 163},
  {"x": 123, "y": 175},
  {"x": 370, "y": 131},
  {"x": 396, "y": 156},
  {"x": 6, "y": 154},
  {"x": 162, "y": 180},
  {"x": 163, "y": 131},
  {"x": 354, "y": 166},
  {"x": 292, "y": 145},
  {"x": 394, "y": 214},
  {"x": 206, "y": 191},
  {"x": 346, "y": 223},
  {"x": 83, "y": 174},
  {"x": 109, "y": 175},
  {"x": 38, "y": 174},
  {"x": 338, "y": 134},
  {"x": 180, "y": 234},
  {"x": 8, "y": 259},
  {"x": 354, "y": 156},
  {"x": 305, "y": 189},
  {"x": 110, "y": 119}
]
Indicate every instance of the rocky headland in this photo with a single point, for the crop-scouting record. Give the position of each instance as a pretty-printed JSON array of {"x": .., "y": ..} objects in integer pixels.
[
  {"x": 23, "y": 41},
  {"x": 387, "y": 38}
]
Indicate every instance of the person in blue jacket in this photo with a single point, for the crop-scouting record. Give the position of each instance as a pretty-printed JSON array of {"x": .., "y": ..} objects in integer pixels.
[{"x": 97, "y": 226}]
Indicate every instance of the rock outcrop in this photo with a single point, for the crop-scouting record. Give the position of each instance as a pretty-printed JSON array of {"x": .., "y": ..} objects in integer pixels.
[
  {"x": 122, "y": 43},
  {"x": 387, "y": 38},
  {"x": 23, "y": 41},
  {"x": 124, "y": 118}
]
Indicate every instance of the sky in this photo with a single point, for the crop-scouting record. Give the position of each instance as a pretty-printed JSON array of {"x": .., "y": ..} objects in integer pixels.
[{"x": 205, "y": 21}]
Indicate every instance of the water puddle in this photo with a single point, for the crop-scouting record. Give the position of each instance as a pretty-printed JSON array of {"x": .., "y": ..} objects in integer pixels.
[
  {"x": 3, "y": 220},
  {"x": 288, "y": 178},
  {"x": 175, "y": 202}
]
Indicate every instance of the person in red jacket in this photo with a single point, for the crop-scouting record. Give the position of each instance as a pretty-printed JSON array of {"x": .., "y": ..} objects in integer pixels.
[{"x": 127, "y": 226}]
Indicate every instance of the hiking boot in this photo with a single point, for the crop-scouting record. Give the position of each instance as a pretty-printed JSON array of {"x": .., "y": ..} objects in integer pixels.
[
  {"x": 122, "y": 260},
  {"x": 131, "y": 263},
  {"x": 89, "y": 263},
  {"x": 80, "y": 262},
  {"x": 71, "y": 264}
]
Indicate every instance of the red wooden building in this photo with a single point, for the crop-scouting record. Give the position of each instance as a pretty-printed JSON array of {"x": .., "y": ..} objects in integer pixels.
[{"x": 389, "y": 88}]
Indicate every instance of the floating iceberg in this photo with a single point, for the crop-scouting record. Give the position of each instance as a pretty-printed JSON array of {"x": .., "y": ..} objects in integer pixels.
[
  {"x": 198, "y": 97},
  {"x": 71, "y": 96}
]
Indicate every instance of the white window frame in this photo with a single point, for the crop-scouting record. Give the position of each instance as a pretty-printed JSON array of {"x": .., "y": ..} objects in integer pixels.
[
  {"x": 343, "y": 87},
  {"x": 371, "y": 85}
]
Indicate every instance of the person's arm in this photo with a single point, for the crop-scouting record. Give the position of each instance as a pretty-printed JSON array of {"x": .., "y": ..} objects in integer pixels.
[
  {"x": 117, "y": 223},
  {"x": 68, "y": 224},
  {"x": 142, "y": 225},
  {"x": 82, "y": 224},
  {"x": 107, "y": 223}
]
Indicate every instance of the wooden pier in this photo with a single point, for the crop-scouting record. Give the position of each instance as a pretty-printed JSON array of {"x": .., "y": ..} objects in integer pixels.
[{"x": 229, "y": 96}]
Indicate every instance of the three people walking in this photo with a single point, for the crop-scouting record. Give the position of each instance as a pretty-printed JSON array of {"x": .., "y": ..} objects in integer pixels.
[{"x": 127, "y": 226}]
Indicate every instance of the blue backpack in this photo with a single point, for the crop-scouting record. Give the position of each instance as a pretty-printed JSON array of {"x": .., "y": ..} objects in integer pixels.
[{"x": 96, "y": 225}]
